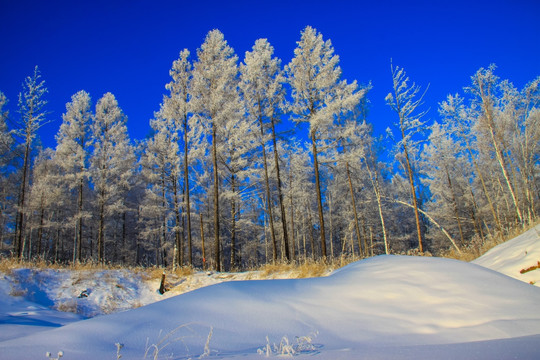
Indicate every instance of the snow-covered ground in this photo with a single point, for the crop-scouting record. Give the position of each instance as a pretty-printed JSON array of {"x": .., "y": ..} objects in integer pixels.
[
  {"x": 515, "y": 257},
  {"x": 387, "y": 307}
]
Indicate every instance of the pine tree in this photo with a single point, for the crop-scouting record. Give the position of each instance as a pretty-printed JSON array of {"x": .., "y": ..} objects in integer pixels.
[
  {"x": 445, "y": 170},
  {"x": 176, "y": 106},
  {"x": 72, "y": 155},
  {"x": 45, "y": 200},
  {"x": 6, "y": 138},
  {"x": 214, "y": 86},
  {"x": 6, "y": 155},
  {"x": 238, "y": 158},
  {"x": 483, "y": 88},
  {"x": 261, "y": 84},
  {"x": 111, "y": 164},
  {"x": 161, "y": 169},
  {"x": 457, "y": 119},
  {"x": 33, "y": 117},
  {"x": 404, "y": 101},
  {"x": 318, "y": 97}
]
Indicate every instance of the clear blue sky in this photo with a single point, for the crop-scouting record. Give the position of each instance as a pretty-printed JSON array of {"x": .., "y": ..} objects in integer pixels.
[{"x": 127, "y": 47}]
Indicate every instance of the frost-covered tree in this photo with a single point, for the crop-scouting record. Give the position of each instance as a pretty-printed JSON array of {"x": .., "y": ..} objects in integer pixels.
[
  {"x": 349, "y": 158},
  {"x": 237, "y": 157},
  {"x": 215, "y": 79},
  {"x": 405, "y": 101},
  {"x": 526, "y": 145},
  {"x": 457, "y": 120},
  {"x": 485, "y": 105},
  {"x": 495, "y": 123},
  {"x": 72, "y": 156},
  {"x": 6, "y": 138},
  {"x": 261, "y": 84},
  {"x": 318, "y": 97},
  {"x": 161, "y": 170},
  {"x": 520, "y": 115},
  {"x": 176, "y": 107},
  {"x": 111, "y": 164},
  {"x": 45, "y": 203},
  {"x": 6, "y": 194},
  {"x": 445, "y": 164},
  {"x": 32, "y": 117}
]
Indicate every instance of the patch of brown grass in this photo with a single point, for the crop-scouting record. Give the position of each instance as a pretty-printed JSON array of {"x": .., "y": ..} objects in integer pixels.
[
  {"x": 307, "y": 268},
  {"x": 6, "y": 265},
  {"x": 153, "y": 273},
  {"x": 16, "y": 291},
  {"x": 479, "y": 247},
  {"x": 184, "y": 271},
  {"x": 9, "y": 263},
  {"x": 67, "y": 306}
]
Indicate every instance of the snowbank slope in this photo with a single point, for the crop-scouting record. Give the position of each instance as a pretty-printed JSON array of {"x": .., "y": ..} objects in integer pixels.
[
  {"x": 511, "y": 257},
  {"x": 388, "y": 306}
]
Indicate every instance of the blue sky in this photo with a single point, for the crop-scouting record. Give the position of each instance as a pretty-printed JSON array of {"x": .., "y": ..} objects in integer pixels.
[{"x": 127, "y": 47}]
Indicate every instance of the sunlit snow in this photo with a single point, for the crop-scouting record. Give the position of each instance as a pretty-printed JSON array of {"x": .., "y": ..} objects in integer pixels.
[{"x": 387, "y": 307}]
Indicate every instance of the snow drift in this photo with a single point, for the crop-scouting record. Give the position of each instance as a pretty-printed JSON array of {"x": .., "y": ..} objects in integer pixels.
[
  {"x": 384, "y": 307},
  {"x": 515, "y": 256}
]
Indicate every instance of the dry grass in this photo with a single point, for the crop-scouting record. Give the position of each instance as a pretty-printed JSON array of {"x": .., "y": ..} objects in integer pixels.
[
  {"x": 478, "y": 247},
  {"x": 15, "y": 291},
  {"x": 297, "y": 269},
  {"x": 9, "y": 263},
  {"x": 67, "y": 306},
  {"x": 304, "y": 269}
]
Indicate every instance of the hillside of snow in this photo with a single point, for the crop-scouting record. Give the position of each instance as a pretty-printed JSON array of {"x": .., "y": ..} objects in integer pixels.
[
  {"x": 516, "y": 256},
  {"x": 387, "y": 307}
]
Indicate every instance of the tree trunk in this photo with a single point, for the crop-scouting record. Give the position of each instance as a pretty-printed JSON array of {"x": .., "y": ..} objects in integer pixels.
[
  {"x": 177, "y": 237},
  {"x": 124, "y": 235},
  {"x": 187, "y": 211},
  {"x": 331, "y": 227},
  {"x": 355, "y": 213},
  {"x": 280, "y": 195},
  {"x": 268, "y": 197},
  {"x": 304, "y": 236},
  {"x": 216, "y": 200},
  {"x": 319, "y": 196},
  {"x": 434, "y": 222},
  {"x": 292, "y": 219},
  {"x": 498, "y": 152},
  {"x": 376, "y": 190},
  {"x": 21, "y": 208},
  {"x": 163, "y": 221},
  {"x": 455, "y": 206},
  {"x": 233, "y": 224},
  {"x": 477, "y": 223},
  {"x": 413, "y": 194},
  {"x": 484, "y": 188},
  {"x": 202, "y": 243},
  {"x": 101, "y": 229},
  {"x": 80, "y": 222},
  {"x": 41, "y": 223},
  {"x": 312, "y": 237}
]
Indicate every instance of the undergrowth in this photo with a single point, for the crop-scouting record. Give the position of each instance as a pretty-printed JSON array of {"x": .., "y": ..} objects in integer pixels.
[
  {"x": 478, "y": 247},
  {"x": 303, "y": 268}
]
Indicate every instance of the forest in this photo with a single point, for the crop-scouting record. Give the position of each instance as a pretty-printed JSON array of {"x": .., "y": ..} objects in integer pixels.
[{"x": 253, "y": 161}]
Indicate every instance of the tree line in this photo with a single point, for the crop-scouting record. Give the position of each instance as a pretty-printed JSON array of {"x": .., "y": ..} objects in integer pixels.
[{"x": 218, "y": 183}]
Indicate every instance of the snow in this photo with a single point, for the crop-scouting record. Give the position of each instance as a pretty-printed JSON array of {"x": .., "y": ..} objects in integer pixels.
[
  {"x": 515, "y": 255},
  {"x": 396, "y": 307}
]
